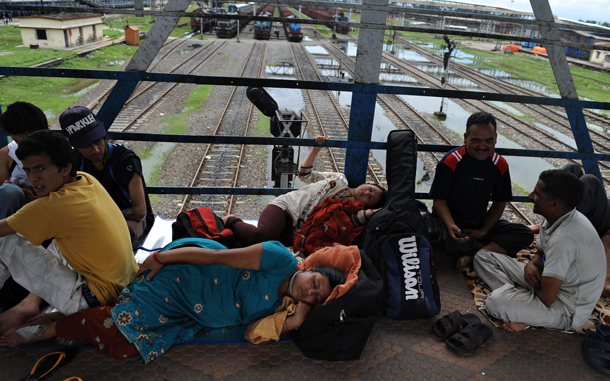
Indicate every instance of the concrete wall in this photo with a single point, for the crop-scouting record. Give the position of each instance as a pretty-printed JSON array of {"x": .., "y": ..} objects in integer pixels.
[
  {"x": 78, "y": 27},
  {"x": 55, "y": 38},
  {"x": 599, "y": 56}
]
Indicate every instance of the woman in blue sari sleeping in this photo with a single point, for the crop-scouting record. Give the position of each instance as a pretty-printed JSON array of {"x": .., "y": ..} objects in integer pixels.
[{"x": 190, "y": 284}]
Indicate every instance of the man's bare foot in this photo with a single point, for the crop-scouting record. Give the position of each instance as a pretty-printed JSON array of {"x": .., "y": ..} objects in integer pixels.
[
  {"x": 18, "y": 315},
  {"x": 514, "y": 326},
  {"x": 462, "y": 262},
  {"x": 12, "y": 339},
  {"x": 606, "y": 291}
]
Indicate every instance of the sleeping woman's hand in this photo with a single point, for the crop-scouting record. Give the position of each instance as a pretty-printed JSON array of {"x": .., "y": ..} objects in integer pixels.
[
  {"x": 294, "y": 322},
  {"x": 151, "y": 263}
]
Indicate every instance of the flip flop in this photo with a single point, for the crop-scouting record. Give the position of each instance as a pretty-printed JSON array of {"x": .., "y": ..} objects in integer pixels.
[
  {"x": 596, "y": 352},
  {"x": 469, "y": 339},
  {"x": 451, "y": 323},
  {"x": 50, "y": 362},
  {"x": 604, "y": 331}
]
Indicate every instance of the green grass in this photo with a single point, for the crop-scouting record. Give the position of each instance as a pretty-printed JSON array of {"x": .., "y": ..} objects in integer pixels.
[
  {"x": 146, "y": 153},
  {"x": 64, "y": 90},
  {"x": 179, "y": 123},
  {"x": 262, "y": 127},
  {"x": 153, "y": 198},
  {"x": 113, "y": 34},
  {"x": 323, "y": 30},
  {"x": 17, "y": 55}
]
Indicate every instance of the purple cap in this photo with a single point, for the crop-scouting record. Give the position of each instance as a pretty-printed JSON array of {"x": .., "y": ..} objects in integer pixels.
[{"x": 81, "y": 126}]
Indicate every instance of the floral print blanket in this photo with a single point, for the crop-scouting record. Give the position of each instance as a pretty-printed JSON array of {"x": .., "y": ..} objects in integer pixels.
[{"x": 601, "y": 313}]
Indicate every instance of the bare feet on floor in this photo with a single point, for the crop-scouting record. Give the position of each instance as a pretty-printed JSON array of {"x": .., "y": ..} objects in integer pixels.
[
  {"x": 514, "y": 326},
  {"x": 12, "y": 339},
  {"x": 18, "y": 315},
  {"x": 462, "y": 263}
]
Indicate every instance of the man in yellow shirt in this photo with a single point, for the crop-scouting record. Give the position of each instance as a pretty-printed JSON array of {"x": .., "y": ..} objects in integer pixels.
[{"x": 90, "y": 260}]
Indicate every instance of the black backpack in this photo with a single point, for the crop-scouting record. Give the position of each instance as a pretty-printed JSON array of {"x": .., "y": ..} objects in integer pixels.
[
  {"x": 338, "y": 330},
  {"x": 396, "y": 239}
]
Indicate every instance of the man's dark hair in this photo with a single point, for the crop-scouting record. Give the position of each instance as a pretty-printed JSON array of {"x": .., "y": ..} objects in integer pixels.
[
  {"x": 563, "y": 186},
  {"x": 481, "y": 117},
  {"x": 53, "y": 143},
  {"x": 23, "y": 117}
]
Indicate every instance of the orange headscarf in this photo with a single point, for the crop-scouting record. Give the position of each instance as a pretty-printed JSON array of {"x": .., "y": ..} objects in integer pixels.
[{"x": 343, "y": 258}]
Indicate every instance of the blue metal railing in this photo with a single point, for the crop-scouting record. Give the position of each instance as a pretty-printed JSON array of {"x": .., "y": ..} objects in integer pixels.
[{"x": 581, "y": 135}]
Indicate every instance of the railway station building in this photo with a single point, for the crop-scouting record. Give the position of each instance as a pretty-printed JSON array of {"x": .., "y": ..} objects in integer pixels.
[{"x": 60, "y": 31}]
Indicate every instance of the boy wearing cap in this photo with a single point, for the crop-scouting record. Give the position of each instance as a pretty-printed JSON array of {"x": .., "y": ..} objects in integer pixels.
[
  {"x": 117, "y": 168},
  {"x": 88, "y": 229}
]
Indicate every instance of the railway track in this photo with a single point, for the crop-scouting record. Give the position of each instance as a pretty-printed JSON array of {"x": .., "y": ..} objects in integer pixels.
[
  {"x": 220, "y": 163},
  {"x": 405, "y": 116},
  {"x": 139, "y": 106},
  {"x": 329, "y": 118},
  {"x": 168, "y": 48},
  {"x": 540, "y": 112},
  {"x": 525, "y": 132}
]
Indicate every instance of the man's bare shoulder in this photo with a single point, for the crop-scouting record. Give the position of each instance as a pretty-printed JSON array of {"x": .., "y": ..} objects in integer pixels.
[{"x": 5, "y": 159}]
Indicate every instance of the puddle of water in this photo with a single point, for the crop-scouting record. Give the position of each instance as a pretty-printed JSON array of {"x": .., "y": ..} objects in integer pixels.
[
  {"x": 405, "y": 54},
  {"x": 306, "y": 38},
  {"x": 534, "y": 86},
  {"x": 348, "y": 48},
  {"x": 524, "y": 171},
  {"x": 508, "y": 108},
  {"x": 317, "y": 49},
  {"x": 189, "y": 49},
  {"x": 160, "y": 150},
  {"x": 79, "y": 93},
  {"x": 280, "y": 68},
  {"x": 338, "y": 74},
  {"x": 291, "y": 99},
  {"x": 598, "y": 128},
  {"x": 438, "y": 72},
  {"x": 493, "y": 72},
  {"x": 389, "y": 73},
  {"x": 558, "y": 135},
  {"x": 382, "y": 126},
  {"x": 115, "y": 63}
]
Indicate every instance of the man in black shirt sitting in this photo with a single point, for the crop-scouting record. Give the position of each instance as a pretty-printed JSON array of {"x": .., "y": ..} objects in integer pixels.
[{"x": 466, "y": 179}]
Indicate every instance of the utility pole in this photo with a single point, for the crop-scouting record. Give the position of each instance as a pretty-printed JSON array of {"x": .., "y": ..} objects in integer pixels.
[{"x": 442, "y": 113}]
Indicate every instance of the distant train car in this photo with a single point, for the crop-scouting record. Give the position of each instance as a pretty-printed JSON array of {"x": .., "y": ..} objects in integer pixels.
[
  {"x": 293, "y": 30},
  {"x": 226, "y": 28},
  {"x": 341, "y": 18},
  {"x": 262, "y": 29},
  {"x": 328, "y": 15},
  {"x": 199, "y": 24},
  {"x": 243, "y": 10}
]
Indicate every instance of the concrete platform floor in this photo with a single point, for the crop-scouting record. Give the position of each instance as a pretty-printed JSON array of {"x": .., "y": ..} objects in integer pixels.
[{"x": 395, "y": 350}]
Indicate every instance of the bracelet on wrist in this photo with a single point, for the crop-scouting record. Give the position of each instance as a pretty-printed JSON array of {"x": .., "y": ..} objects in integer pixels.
[{"x": 158, "y": 259}]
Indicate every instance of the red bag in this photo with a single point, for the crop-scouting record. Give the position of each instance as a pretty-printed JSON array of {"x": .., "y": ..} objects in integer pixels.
[
  {"x": 327, "y": 225},
  {"x": 202, "y": 223}
]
